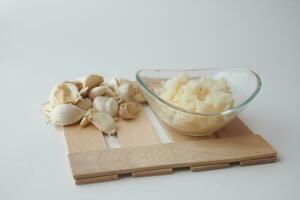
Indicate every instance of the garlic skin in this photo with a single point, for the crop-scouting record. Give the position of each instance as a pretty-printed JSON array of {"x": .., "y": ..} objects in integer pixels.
[
  {"x": 84, "y": 104},
  {"x": 91, "y": 81},
  {"x": 106, "y": 104},
  {"x": 129, "y": 110},
  {"x": 104, "y": 122},
  {"x": 64, "y": 93},
  {"x": 114, "y": 83},
  {"x": 125, "y": 92},
  {"x": 109, "y": 92},
  {"x": 66, "y": 114},
  {"x": 46, "y": 109},
  {"x": 97, "y": 91}
]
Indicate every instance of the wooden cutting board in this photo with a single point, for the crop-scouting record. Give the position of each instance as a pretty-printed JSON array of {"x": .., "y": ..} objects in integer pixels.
[{"x": 141, "y": 153}]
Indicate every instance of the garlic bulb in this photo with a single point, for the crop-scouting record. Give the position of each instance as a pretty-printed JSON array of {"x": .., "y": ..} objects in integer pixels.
[
  {"x": 64, "y": 93},
  {"x": 91, "y": 81},
  {"x": 129, "y": 110},
  {"x": 104, "y": 122},
  {"x": 84, "y": 104},
  {"x": 97, "y": 91},
  {"x": 66, "y": 114},
  {"x": 106, "y": 104}
]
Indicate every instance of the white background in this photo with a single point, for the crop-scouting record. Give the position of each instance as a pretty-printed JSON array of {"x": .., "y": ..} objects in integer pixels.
[{"x": 45, "y": 42}]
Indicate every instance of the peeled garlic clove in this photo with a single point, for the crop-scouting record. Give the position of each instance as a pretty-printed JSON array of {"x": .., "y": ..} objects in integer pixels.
[
  {"x": 66, "y": 114},
  {"x": 106, "y": 104},
  {"x": 84, "y": 104},
  {"x": 97, "y": 91},
  {"x": 104, "y": 122},
  {"x": 64, "y": 93},
  {"x": 91, "y": 81},
  {"x": 129, "y": 110},
  {"x": 125, "y": 92}
]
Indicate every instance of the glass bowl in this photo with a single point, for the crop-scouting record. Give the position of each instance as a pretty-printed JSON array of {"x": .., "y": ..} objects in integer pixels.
[{"x": 244, "y": 83}]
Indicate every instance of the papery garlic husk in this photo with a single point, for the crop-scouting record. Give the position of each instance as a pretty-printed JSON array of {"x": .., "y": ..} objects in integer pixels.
[
  {"x": 109, "y": 92},
  {"x": 77, "y": 83},
  {"x": 129, "y": 110},
  {"x": 97, "y": 91},
  {"x": 103, "y": 122},
  {"x": 66, "y": 114},
  {"x": 114, "y": 83},
  {"x": 125, "y": 91},
  {"x": 46, "y": 109},
  {"x": 106, "y": 104},
  {"x": 86, "y": 120},
  {"x": 84, "y": 104},
  {"x": 91, "y": 81},
  {"x": 64, "y": 93}
]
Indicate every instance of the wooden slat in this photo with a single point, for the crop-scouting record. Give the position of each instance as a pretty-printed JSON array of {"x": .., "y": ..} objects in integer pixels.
[
  {"x": 172, "y": 155},
  {"x": 96, "y": 179},
  {"x": 258, "y": 161},
  {"x": 209, "y": 167},
  {"x": 235, "y": 128},
  {"x": 176, "y": 136},
  {"x": 83, "y": 139},
  {"x": 137, "y": 132},
  {"x": 153, "y": 172}
]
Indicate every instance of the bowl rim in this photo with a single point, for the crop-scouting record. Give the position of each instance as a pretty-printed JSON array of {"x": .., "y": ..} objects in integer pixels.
[{"x": 234, "y": 109}]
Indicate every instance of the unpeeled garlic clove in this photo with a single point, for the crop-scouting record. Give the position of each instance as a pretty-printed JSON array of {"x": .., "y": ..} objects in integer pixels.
[
  {"x": 97, "y": 91},
  {"x": 66, "y": 114},
  {"x": 129, "y": 110},
  {"x": 106, "y": 104},
  {"x": 103, "y": 122},
  {"x": 109, "y": 92},
  {"x": 64, "y": 93},
  {"x": 125, "y": 91},
  {"x": 84, "y": 104},
  {"x": 91, "y": 81}
]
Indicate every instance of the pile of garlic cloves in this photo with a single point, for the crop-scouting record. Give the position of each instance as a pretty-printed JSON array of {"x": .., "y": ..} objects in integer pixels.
[{"x": 91, "y": 100}]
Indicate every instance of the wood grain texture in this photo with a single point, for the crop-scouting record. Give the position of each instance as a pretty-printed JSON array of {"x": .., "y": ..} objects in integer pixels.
[
  {"x": 96, "y": 179},
  {"x": 137, "y": 132},
  {"x": 258, "y": 161},
  {"x": 235, "y": 128},
  {"x": 153, "y": 172},
  {"x": 83, "y": 139},
  {"x": 209, "y": 167},
  {"x": 172, "y": 155}
]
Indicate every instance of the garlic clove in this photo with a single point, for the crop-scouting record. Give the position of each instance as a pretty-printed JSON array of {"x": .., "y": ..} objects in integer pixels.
[
  {"x": 91, "y": 81},
  {"x": 139, "y": 96},
  {"x": 109, "y": 92},
  {"x": 125, "y": 92},
  {"x": 104, "y": 122},
  {"x": 84, "y": 104},
  {"x": 129, "y": 110},
  {"x": 66, "y": 114},
  {"x": 106, "y": 104},
  {"x": 64, "y": 93},
  {"x": 97, "y": 91}
]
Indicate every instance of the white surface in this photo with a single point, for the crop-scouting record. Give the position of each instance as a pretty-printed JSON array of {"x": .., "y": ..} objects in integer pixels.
[{"x": 44, "y": 42}]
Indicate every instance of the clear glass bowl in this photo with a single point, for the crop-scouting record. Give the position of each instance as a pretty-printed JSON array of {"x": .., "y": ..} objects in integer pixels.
[{"x": 244, "y": 83}]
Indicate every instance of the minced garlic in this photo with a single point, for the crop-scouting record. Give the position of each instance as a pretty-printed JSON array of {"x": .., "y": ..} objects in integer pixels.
[{"x": 201, "y": 95}]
